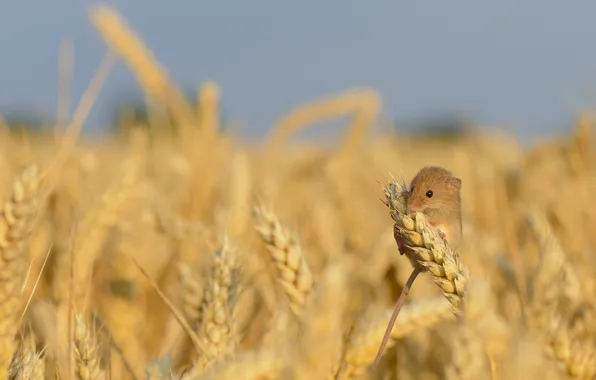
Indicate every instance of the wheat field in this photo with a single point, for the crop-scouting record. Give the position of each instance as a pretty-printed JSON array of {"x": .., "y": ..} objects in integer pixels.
[{"x": 195, "y": 255}]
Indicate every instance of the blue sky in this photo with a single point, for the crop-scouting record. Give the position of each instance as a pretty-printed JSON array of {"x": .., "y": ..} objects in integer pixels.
[{"x": 527, "y": 66}]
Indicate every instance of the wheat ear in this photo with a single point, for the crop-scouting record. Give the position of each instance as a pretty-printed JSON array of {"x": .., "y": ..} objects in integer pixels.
[
  {"x": 27, "y": 364},
  {"x": 284, "y": 250},
  {"x": 545, "y": 286},
  {"x": 192, "y": 293},
  {"x": 216, "y": 314},
  {"x": 154, "y": 79},
  {"x": 15, "y": 226},
  {"x": 576, "y": 355},
  {"x": 87, "y": 357},
  {"x": 428, "y": 249}
]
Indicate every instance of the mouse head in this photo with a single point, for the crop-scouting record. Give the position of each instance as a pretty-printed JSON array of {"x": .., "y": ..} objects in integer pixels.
[{"x": 434, "y": 188}]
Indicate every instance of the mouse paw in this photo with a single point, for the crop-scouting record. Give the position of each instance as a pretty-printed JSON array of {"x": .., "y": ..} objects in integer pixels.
[
  {"x": 401, "y": 244},
  {"x": 442, "y": 235}
]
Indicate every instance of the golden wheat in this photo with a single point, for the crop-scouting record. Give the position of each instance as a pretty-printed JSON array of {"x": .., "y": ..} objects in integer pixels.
[
  {"x": 87, "y": 357},
  {"x": 110, "y": 25},
  {"x": 124, "y": 274},
  {"x": 428, "y": 249},
  {"x": 285, "y": 252},
  {"x": 15, "y": 226},
  {"x": 215, "y": 324},
  {"x": 27, "y": 363}
]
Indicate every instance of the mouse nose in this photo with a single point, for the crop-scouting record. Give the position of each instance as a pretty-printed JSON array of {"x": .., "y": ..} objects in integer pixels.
[{"x": 413, "y": 206}]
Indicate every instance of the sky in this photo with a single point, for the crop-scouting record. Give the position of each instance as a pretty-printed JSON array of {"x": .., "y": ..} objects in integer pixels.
[{"x": 525, "y": 66}]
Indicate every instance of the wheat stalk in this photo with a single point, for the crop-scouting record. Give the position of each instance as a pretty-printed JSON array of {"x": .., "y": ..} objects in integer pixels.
[
  {"x": 365, "y": 103},
  {"x": 91, "y": 232},
  {"x": 122, "y": 309},
  {"x": 208, "y": 110},
  {"x": 239, "y": 195},
  {"x": 142, "y": 63},
  {"x": 74, "y": 269},
  {"x": 319, "y": 346},
  {"x": 368, "y": 333}
]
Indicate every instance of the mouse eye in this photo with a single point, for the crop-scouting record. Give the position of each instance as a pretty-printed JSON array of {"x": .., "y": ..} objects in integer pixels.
[{"x": 429, "y": 194}]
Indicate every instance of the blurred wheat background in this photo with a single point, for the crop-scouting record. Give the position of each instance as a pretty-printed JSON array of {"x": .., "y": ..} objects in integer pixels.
[{"x": 172, "y": 249}]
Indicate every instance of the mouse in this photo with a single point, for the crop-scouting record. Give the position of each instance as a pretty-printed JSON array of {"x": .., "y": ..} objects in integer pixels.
[{"x": 435, "y": 192}]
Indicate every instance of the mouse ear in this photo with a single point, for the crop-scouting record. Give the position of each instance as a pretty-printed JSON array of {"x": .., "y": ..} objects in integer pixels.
[{"x": 454, "y": 182}]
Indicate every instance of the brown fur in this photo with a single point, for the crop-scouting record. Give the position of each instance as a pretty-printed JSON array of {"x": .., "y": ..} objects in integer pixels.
[{"x": 443, "y": 209}]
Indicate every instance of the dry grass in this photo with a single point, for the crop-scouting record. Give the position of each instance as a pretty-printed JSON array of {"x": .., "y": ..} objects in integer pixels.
[{"x": 156, "y": 268}]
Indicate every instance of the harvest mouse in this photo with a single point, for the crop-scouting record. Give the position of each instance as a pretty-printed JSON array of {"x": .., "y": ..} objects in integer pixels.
[{"x": 435, "y": 192}]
